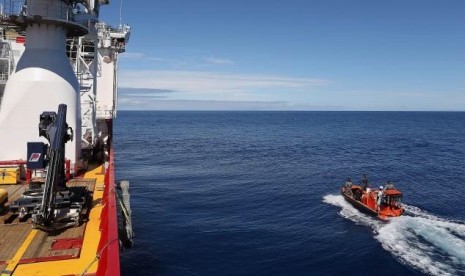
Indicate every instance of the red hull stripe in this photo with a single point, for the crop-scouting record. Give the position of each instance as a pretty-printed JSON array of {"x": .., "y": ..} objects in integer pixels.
[{"x": 108, "y": 248}]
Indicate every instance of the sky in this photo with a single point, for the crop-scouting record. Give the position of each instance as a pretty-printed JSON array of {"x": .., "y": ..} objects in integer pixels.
[{"x": 400, "y": 55}]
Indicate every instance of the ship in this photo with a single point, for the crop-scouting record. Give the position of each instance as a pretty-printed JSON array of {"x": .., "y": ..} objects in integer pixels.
[
  {"x": 382, "y": 203},
  {"x": 61, "y": 210}
]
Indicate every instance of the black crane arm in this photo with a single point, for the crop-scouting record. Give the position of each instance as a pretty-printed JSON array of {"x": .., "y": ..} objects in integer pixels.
[{"x": 54, "y": 128}]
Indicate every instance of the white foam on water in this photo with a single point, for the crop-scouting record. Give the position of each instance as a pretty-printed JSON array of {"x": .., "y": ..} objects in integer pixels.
[
  {"x": 433, "y": 245},
  {"x": 349, "y": 212}
]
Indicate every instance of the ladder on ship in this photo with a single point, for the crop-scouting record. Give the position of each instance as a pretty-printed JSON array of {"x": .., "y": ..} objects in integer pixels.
[
  {"x": 82, "y": 55},
  {"x": 6, "y": 63}
]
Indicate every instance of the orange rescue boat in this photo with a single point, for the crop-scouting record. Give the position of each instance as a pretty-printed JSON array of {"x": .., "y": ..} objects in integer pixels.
[{"x": 383, "y": 203}]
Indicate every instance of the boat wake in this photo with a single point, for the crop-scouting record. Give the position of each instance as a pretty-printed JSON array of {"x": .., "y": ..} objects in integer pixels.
[{"x": 430, "y": 244}]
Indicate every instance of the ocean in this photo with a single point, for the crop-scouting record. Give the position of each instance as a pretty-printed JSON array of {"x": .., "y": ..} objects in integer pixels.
[{"x": 257, "y": 193}]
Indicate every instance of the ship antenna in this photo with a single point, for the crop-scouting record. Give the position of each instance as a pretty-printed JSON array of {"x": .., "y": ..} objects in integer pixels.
[{"x": 121, "y": 14}]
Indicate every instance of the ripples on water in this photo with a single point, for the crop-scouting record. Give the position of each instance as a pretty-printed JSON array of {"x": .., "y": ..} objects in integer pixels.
[
  {"x": 431, "y": 244},
  {"x": 240, "y": 193}
]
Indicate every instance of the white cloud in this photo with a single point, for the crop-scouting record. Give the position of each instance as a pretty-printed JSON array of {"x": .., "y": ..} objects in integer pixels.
[
  {"x": 135, "y": 104},
  {"x": 139, "y": 56},
  {"x": 218, "y": 61},
  {"x": 213, "y": 82},
  {"x": 191, "y": 62},
  {"x": 194, "y": 90}
]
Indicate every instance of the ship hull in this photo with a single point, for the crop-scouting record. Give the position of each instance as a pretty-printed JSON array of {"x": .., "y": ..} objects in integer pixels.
[{"x": 109, "y": 263}]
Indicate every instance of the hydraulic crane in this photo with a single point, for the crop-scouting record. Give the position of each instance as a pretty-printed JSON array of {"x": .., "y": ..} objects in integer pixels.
[{"x": 61, "y": 206}]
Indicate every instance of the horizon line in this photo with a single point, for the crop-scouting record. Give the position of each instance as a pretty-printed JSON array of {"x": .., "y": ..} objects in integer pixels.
[{"x": 245, "y": 110}]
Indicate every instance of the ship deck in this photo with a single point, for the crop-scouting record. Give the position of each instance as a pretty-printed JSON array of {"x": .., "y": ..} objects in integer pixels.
[{"x": 69, "y": 251}]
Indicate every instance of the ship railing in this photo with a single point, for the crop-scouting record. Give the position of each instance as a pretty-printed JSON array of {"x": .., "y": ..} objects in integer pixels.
[
  {"x": 3, "y": 77},
  {"x": 14, "y": 35},
  {"x": 12, "y": 7},
  {"x": 115, "y": 38},
  {"x": 105, "y": 114},
  {"x": 15, "y": 13},
  {"x": 21, "y": 7},
  {"x": 108, "y": 247},
  {"x": 5, "y": 69}
]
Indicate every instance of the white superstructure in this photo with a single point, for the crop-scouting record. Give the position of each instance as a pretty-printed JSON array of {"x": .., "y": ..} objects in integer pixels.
[
  {"x": 95, "y": 60},
  {"x": 112, "y": 42},
  {"x": 68, "y": 59}
]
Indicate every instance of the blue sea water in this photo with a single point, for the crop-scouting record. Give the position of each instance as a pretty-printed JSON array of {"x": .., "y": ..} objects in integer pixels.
[{"x": 257, "y": 193}]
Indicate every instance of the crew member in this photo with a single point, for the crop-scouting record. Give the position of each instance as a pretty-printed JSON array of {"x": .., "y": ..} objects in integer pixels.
[
  {"x": 348, "y": 184},
  {"x": 380, "y": 197},
  {"x": 364, "y": 182}
]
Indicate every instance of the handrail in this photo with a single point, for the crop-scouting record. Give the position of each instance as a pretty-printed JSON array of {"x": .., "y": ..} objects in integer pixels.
[{"x": 109, "y": 262}]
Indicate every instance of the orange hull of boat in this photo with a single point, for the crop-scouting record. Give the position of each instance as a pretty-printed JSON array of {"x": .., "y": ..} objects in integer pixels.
[{"x": 367, "y": 202}]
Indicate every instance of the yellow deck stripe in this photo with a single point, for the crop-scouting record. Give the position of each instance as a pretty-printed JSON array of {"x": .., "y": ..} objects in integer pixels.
[
  {"x": 12, "y": 264},
  {"x": 89, "y": 245}
]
